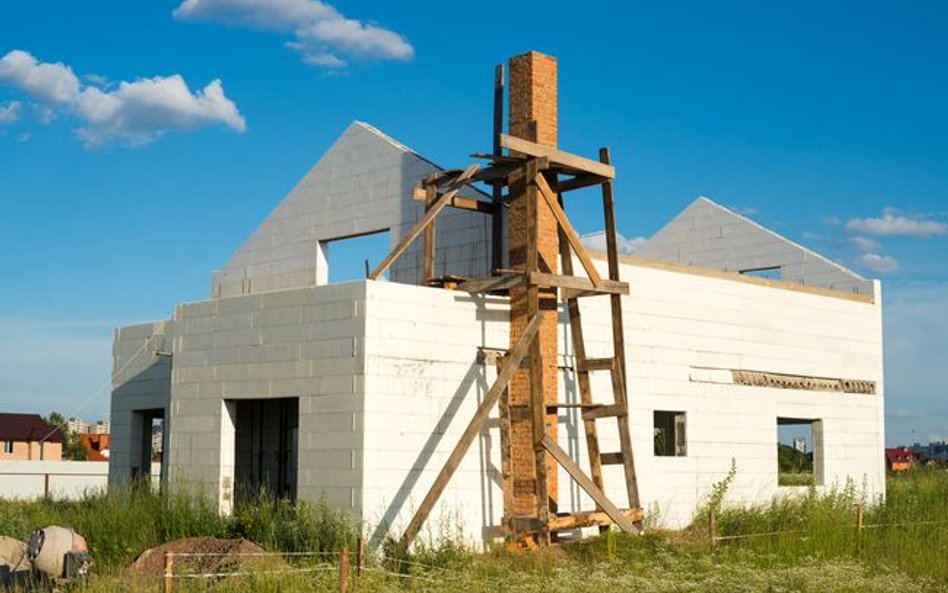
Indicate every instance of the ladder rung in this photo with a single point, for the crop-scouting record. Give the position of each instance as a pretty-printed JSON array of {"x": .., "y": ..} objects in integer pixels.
[
  {"x": 596, "y": 364},
  {"x": 611, "y": 458},
  {"x": 552, "y": 407},
  {"x": 605, "y": 412}
]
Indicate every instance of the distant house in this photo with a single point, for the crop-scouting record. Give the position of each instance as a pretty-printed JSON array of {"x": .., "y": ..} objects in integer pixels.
[
  {"x": 900, "y": 459},
  {"x": 29, "y": 437},
  {"x": 96, "y": 445}
]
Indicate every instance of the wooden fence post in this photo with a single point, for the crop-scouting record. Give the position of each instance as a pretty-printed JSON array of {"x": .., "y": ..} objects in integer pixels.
[
  {"x": 360, "y": 556},
  {"x": 169, "y": 572},
  {"x": 712, "y": 531},
  {"x": 344, "y": 570}
]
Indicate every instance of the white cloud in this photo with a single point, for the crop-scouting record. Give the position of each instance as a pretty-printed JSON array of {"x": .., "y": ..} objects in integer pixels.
[
  {"x": 47, "y": 82},
  {"x": 597, "y": 242},
  {"x": 881, "y": 264},
  {"x": 138, "y": 112},
  {"x": 892, "y": 222},
  {"x": 10, "y": 112},
  {"x": 323, "y": 36},
  {"x": 132, "y": 113},
  {"x": 864, "y": 243}
]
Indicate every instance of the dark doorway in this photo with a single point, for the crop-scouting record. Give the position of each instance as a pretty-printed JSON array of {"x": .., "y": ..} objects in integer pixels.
[
  {"x": 148, "y": 431},
  {"x": 265, "y": 443}
]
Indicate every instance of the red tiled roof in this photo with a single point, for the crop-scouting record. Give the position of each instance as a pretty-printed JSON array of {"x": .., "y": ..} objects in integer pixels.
[
  {"x": 899, "y": 455},
  {"x": 28, "y": 427}
]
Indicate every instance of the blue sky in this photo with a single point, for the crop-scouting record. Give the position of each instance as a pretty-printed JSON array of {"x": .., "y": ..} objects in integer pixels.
[{"x": 141, "y": 142}]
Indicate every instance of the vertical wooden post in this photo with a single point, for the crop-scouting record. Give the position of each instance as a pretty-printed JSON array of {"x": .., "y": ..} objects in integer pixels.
[
  {"x": 428, "y": 258},
  {"x": 537, "y": 395},
  {"x": 497, "y": 219},
  {"x": 46, "y": 486},
  {"x": 859, "y": 518},
  {"x": 344, "y": 570},
  {"x": 169, "y": 572},
  {"x": 619, "y": 381},
  {"x": 506, "y": 459},
  {"x": 712, "y": 531},
  {"x": 360, "y": 556}
]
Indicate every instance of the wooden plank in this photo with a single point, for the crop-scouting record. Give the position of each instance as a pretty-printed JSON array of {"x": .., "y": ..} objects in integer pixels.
[
  {"x": 595, "y": 364},
  {"x": 618, "y": 340},
  {"x": 501, "y": 282},
  {"x": 579, "y": 182},
  {"x": 557, "y": 157},
  {"x": 461, "y": 203},
  {"x": 506, "y": 457},
  {"x": 571, "y": 235},
  {"x": 606, "y": 411},
  {"x": 578, "y": 283},
  {"x": 510, "y": 366},
  {"x": 420, "y": 226},
  {"x": 537, "y": 395},
  {"x": 590, "y": 518},
  {"x": 428, "y": 254},
  {"x": 612, "y": 458},
  {"x": 594, "y": 492},
  {"x": 497, "y": 221}
]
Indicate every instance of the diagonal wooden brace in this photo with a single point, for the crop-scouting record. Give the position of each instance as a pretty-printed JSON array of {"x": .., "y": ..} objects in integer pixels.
[
  {"x": 420, "y": 226},
  {"x": 571, "y": 235},
  {"x": 511, "y": 365},
  {"x": 563, "y": 458}
]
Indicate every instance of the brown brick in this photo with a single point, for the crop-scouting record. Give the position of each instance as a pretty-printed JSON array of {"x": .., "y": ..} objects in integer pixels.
[{"x": 532, "y": 116}]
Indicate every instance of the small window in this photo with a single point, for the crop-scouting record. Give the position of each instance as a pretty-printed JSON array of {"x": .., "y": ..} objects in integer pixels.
[
  {"x": 799, "y": 452},
  {"x": 670, "y": 440},
  {"x": 8, "y": 447},
  {"x": 352, "y": 258}
]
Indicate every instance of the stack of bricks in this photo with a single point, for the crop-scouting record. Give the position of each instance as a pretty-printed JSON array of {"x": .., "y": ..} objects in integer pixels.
[{"x": 532, "y": 116}]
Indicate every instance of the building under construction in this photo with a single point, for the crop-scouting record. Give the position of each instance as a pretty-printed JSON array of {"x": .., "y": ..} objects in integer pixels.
[{"x": 491, "y": 373}]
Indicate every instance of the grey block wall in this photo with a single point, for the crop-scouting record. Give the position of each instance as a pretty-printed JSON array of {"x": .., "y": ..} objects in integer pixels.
[
  {"x": 708, "y": 234},
  {"x": 362, "y": 184},
  {"x": 141, "y": 380},
  {"x": 304, "y": 343}
]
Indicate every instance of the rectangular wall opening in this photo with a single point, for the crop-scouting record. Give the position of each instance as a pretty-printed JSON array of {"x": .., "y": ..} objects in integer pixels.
[
  {"x": 347, "y": 258},
  {"x": 148, "y": 431},
  {"x": 669, "y": 434},
  {"x": 265, "y": 448},
  {"x": 799, "y": 452}
]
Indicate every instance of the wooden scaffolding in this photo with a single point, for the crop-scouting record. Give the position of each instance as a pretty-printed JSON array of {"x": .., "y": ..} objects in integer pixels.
[{"x": 537, "y": 174}]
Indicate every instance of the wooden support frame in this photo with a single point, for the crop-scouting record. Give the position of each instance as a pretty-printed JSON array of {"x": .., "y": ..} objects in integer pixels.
[
  {"x": 558, "y": 157},
  {"x": 510, "y": 366},
  {"x": 420, "y": 226},
  {"x": 567, "y": 230}
]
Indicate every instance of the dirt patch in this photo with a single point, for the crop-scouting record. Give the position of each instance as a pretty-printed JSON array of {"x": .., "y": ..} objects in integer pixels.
[{"x": 216, "y": 556}]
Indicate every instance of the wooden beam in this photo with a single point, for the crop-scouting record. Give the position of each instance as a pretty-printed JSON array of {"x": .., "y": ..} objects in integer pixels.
[
  {"x": 420, "y": 226},
  {"x": 497, "y": 221},
  {"x": 510, "y": 366},
  {"x": 595, "y": 364},
  {"x": 612, "y": 458},
  {"x": 428, "y": 253},
  {"x": 605, "y": 411},
  {"x": 494, "y": 283},
  {"x": 557, "y": 157},
  {"x": 571, "y": 235},
  {"x": 590, "y": 518},
  {"x": 594, "y": 492},
  {"x": 619, "y": 385},
  {"x": 577, "y": 283},
  {"x": 459, "y": 202},
  {"x": 579, "y": 182}
]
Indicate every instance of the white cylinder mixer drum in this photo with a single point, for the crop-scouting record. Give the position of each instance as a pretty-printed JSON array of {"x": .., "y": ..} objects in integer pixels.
[{"x": 50, "y": 546}]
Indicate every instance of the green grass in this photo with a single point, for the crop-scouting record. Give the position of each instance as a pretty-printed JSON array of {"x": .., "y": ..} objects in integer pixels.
[{"x": 826, "y": 552}]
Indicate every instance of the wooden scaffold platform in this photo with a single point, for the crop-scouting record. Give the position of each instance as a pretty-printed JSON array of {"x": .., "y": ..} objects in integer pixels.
[{"x": 532, "y": 177}]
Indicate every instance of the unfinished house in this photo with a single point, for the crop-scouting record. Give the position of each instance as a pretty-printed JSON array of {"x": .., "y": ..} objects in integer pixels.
[{"x": 455, "y": 387}]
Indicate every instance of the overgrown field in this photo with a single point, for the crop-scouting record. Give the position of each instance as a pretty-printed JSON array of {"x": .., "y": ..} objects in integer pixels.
[{"x": 815, "y": 546}]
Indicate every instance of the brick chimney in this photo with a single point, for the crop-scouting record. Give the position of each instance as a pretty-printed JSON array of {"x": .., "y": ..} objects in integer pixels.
[{"x": 532, "y": 116}]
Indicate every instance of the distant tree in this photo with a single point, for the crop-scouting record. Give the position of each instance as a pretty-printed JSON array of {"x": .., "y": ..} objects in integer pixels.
[{"x": 73, "y": 449}]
